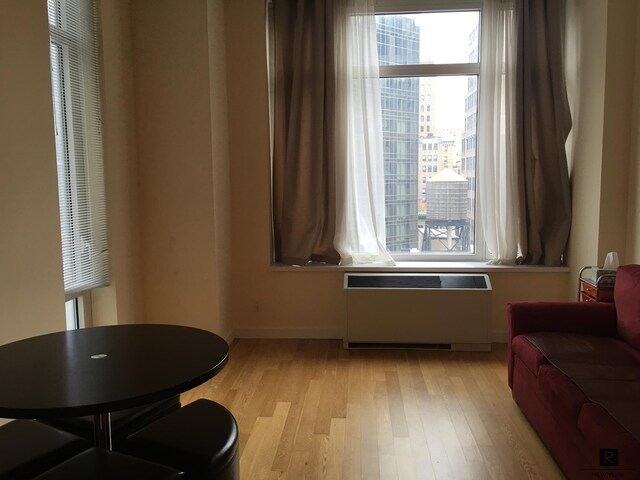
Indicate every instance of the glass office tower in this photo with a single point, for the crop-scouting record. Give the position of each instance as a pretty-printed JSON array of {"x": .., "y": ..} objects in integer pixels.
[{"x": 399, "y": 43}]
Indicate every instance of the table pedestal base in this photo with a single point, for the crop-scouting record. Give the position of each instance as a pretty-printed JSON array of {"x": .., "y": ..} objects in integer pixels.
[{"x": 102, "y": 430}]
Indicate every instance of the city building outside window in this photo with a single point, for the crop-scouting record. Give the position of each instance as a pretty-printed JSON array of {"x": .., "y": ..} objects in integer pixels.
[{"x": 429, "y": 62}]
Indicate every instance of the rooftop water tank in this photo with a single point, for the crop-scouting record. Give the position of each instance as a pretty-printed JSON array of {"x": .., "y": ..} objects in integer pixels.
[{"x": 446, "y": 196}]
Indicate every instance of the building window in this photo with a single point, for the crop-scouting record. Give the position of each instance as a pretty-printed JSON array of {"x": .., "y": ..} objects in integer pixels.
[
  {"x": 75, "y": 80},
  {"x": 435, "y": 71}
]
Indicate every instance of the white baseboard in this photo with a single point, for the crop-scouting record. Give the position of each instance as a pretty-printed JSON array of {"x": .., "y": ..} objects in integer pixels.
[
  {"x": 498, "y": 336},
  {"x": 301, "y": 333},
  {"x": 229, "y": 337}
]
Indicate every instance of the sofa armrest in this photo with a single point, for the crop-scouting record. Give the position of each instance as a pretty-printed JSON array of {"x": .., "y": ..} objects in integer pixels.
[{"x": 589, "y": 318}]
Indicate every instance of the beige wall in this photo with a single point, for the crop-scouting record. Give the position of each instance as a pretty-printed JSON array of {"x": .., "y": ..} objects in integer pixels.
[
  {"x": 313, "y": 304},
  {"x": 633, "y": 229},
  {"x": 179, "y": 119},
  {"x": 120, "y": 302},
  {"x": 32, "y": 293},
  {"x": 31, "y": 284},
  {"x": 600, "y": 80},
  {"x": 585, "y": 59},
  {"x": 220, "y": 170},
  {"x": 184, "y": 186},
  {"x": 616, "y": 148}
]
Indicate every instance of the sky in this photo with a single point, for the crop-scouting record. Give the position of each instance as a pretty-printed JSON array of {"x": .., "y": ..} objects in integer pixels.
[{"x": 444, "y": 38}]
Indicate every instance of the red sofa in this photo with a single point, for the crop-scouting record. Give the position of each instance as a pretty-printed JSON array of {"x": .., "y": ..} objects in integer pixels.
[{"x": 578, "y": 428}]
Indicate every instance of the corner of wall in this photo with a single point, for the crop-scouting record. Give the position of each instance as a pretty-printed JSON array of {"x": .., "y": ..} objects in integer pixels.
[
  {"x": 633, "y": 222},
  {"x": 586, "y": 58},
  {"x": 220, "y": 163},
  {"x": 121, "y": 301},
  {"x": 617, "y": 138}
]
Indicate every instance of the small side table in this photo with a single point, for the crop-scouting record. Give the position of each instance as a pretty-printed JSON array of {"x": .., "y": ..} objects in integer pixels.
[{"x": 596, "y": 284}]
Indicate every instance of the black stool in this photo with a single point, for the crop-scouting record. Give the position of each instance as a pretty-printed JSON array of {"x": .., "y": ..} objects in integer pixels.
[
  {"x": 99, "y": 464},
  {"x": 200, "y": 439},
  {"x": 123, "y": 422},
  {"x": 28, "y": 448}
]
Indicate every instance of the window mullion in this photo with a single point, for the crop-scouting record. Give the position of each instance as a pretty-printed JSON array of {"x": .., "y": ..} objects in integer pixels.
[
  {"x": 429, "y": 70},
  {"x": 416, "y": 6}
]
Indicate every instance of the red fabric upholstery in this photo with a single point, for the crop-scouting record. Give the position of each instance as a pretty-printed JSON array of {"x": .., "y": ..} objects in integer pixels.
[
  {"x": 627, "y": 300},
  {"x": 561, "y": 439},
  {"x": 560, "y": 394},
  {"x": 599, "y": 428},
  {"x": 573, "y": 428},
  {"x": 589, "y": 318},
  {"x": 528, "y": 354}
]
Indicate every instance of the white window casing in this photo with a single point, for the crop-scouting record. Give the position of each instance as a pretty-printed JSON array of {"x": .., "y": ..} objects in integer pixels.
[{"x": 75, "y": 77}]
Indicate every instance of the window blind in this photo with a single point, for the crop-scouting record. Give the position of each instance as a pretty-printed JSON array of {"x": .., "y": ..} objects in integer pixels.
[{"x": 75, "y": 79}]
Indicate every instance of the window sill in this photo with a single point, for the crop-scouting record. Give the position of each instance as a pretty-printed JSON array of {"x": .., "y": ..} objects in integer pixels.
[{"x": 424, "y": 267}]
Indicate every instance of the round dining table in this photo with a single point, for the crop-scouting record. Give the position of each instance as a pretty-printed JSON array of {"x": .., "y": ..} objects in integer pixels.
[{"x": 95, "y": 371}]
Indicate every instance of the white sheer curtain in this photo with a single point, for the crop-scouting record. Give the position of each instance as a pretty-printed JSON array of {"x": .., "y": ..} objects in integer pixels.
[
  {"x": 501, "y": 181},
  {"x": 360, "y": 215}
]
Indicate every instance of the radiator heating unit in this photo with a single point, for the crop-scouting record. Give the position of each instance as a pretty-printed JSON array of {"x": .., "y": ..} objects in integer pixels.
[{"x": 445, "y": 311}]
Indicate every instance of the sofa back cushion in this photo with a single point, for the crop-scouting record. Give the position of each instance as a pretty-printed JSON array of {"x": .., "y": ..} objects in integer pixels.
[{"x": 627, "y": 300}]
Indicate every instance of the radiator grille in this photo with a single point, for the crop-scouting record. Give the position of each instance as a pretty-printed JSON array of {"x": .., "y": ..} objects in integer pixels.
[{"x": 417, "y": 281}]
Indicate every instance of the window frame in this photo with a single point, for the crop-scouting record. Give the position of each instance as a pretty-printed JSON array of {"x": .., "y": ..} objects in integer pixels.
[
  {"x": 78, "y": 311},
  {"x": 76, "y": 82},
  {"x": 400, "y": 7}
]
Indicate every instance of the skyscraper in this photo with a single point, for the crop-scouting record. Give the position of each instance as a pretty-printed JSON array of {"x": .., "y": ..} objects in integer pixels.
[
  {"x": 399, "y": 43},
  {"x": 468, "y": 161}
]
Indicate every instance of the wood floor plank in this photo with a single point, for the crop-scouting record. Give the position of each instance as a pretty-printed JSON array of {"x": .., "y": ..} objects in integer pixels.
[
  {"x": 323, "y": 414},
  {"x": 369, "y": 453},
  {"x": 396, "y": 405},
  {"x": 265, "y": 452},
  {"x": 335, "y": 458},
  {"x": 351, "y": 465},
  {"x": 304, "y": 433},
  {"x": 309, "y": 409},
  {"x": 339, "y": 390}
]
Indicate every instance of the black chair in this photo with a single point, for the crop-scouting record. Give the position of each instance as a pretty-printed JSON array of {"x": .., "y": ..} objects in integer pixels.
[
  {"x": 200, "y": 439},
  {"x": 99, "y": 464},
  {"x": 123, "y": 422},
  {"x": 28, "y": 448}
]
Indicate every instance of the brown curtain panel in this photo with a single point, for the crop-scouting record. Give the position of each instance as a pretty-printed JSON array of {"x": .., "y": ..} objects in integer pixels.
[
  {"x": 545, "y": 124},
  {"x": 303, "y": 115}
]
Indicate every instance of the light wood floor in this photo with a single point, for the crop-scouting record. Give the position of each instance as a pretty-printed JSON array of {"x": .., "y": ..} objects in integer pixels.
[{"x": 310, "y": 409}]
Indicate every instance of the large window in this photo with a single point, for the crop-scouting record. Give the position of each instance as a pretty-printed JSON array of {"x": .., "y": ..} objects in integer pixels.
[
  {"x": 78, "y": 132},
  {"x": 429, "y": 75}
]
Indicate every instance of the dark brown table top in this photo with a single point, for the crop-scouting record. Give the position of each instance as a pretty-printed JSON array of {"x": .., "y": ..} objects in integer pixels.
[{"x": 104, "y": 369}]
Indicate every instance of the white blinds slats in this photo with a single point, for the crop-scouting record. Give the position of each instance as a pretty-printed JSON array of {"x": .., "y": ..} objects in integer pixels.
[{"x": 75, "y": 81}]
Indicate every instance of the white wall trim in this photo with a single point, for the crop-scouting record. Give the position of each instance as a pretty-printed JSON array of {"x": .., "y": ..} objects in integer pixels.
[
  {"x": 498, "y": 336},
  {"x": 229, "y": 337},
  {"x": 299, "y": 333}
]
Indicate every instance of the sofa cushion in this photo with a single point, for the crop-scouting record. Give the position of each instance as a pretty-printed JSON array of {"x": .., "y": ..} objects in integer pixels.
[
  {"x": 600, "y": 431},
  {"x": 528, "y": 354},
  {"x": 560, "y": 393},
  {"x": 558, "y": 432},
  {"x": 627, "y": 301}
]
